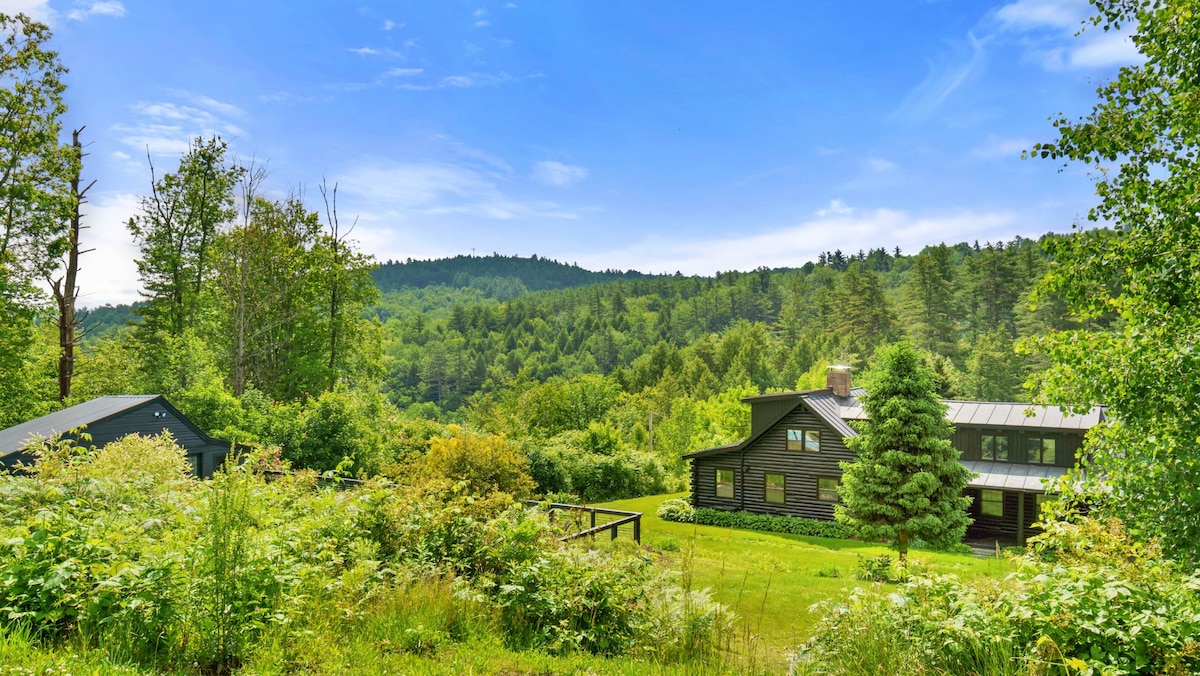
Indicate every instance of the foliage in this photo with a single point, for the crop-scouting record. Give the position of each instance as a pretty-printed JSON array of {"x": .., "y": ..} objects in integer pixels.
[
  {"x": 907, "y": 481},
  {"x": 1141, "y": 136},
  {"x": 484, "y": 463},
  {"x": 498, "y": 275},
  {"x": 1087, "y": 599},
  {"x": 793, "y": 525},
  {"x": 677, "y": 509}
]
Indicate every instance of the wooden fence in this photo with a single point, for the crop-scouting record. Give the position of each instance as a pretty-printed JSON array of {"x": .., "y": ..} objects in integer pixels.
[{"x": 596, "y": 518}]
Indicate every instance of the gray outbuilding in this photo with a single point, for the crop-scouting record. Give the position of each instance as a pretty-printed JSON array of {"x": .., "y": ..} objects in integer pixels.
[{"x": 107, "y": 419}]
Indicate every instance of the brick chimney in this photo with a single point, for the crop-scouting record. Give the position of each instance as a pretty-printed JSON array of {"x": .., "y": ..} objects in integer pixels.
[{"x": 838, "y": 380}]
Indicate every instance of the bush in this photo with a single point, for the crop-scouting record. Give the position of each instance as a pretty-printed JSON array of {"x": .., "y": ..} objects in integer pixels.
[
  {"x": 1086, "y": 599},
  {"x": 485, "y": 462},
  {"x": 792, "y": 525},
  {"x": 677, "y": 509}
]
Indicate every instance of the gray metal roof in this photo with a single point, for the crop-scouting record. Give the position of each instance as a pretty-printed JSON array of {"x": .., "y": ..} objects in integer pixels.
[
  {"x": 830, "y": 406},
  {"x": 1012, "y": 476},
  {"x": 1002, "y": 414},
  {"x": 14, "y": 438}
]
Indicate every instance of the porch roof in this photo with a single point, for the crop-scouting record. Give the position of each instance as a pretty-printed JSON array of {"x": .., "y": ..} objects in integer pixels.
[{"x": 1010, "y": 476}]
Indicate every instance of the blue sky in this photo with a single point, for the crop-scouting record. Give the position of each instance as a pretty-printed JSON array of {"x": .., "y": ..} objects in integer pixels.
[{"x": 693, "y": 136}]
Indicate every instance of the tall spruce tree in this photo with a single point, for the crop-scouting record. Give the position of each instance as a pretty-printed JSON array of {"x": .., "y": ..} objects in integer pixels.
[{"x": 907, "y": 481}]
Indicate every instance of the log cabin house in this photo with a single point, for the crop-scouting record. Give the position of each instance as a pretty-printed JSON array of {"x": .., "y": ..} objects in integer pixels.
[
  {"x": 106, "y": 419},
  {"x": 789, "y": 463}
]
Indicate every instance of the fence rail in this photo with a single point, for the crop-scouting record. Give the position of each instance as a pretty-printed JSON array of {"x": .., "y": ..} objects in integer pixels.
[{"x": 594, "y": 514}]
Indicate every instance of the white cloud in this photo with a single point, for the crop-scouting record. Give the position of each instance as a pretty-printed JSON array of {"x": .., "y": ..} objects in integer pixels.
[
  {"x": 167, "y": 127},
  {"x": 389, "y": 25},
  {"x": 1105, "y": 50},
  {"x": 480, "y": 12},
  {"x": 108, "y": 274},
  {"x": 481, "y": 23},
  {"x": 104, "y": 8},
  {"x": 838, "y": 227},
  {"x": 558, "y": 174},
  {"x": 1026, "y": 14},
  {"x": 878, "y": 164},
  {"x": 363, "y": 51},
  {"x": 835, "y": 208},
  {"x": 38, "y": 10},
  {"x": 401, "y": 192},
  {"x": 1001, "y": 148},
  {"x": 464, "y": 81},
  {"x": 404, "y": 72}
]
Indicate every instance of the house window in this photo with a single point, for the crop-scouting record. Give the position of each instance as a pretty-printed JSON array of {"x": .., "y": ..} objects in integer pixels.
[
  {"x": 774, "y": 489},
  {"x": 194, "y": 461},
  {"x": 991, "y": 503},
  {"x": 803, "y": 440},
  {"x": 1040, "y": 450},
  {"x": 827, "y": 488},
  {"x": 995, "y": 447},
  {"x": 724, "y": 483}
]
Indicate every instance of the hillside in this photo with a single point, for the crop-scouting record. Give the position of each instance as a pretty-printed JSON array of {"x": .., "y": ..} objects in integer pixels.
[{"x": 498, "y": 276}]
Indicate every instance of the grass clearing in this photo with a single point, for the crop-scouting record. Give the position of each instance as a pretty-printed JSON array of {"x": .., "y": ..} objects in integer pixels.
[{"x": 771, "y": 580}]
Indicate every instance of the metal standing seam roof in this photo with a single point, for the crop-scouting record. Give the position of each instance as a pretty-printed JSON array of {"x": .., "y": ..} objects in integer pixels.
[
  {"x": 1002, "y": 414},
  {"x": 1012, "y": 476},
  {"x": 15, "y": 438}
]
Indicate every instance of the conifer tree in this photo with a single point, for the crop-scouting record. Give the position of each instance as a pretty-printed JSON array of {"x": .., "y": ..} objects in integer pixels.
[{"x": 907, "y": 482}]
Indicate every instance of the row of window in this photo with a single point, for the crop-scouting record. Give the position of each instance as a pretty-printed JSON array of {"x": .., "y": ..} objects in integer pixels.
[
  {"x": 1037, "y": 451},
  {"x": 775, "y": 487},
  {"x": 991, "y": 502}
]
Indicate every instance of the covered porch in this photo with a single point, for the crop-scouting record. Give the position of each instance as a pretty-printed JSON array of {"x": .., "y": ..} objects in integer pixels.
[{"x": 1007, "y": 499}]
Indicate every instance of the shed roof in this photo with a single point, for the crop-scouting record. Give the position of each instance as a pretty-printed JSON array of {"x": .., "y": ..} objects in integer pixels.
[
  {"x": 1003, "y": 414},
  {"x": 1012, "y": 476},
  {"x": 14, "y": 438}
]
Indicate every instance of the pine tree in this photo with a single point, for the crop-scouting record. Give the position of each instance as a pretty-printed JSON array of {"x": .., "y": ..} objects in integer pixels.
[{"x": 907, "y": 482}]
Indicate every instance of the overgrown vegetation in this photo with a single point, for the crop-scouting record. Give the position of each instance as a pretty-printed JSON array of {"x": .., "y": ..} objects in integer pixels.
[{"x": 152, "y": 567}]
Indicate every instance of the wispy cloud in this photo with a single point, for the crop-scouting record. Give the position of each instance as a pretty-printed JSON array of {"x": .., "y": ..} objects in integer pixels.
[
  {"x": 404, "y": 72},
  {"x": 943, "y": 79},
  {"x": 558, "y": 174},
  {"x": 39, "y": 10},
  {"x": 464, "y": 81},
  {"x": 104, "y": 8},
  {"x": 1056, "y": 35},
  {"x": 879, "y": 164},
  {"x": 403, "y": 192},
  {"x": 389, "y": 25},
  {"x": 836, "y": 227},
  {"x": 363, "y": 51},
  {"x": 1026, "y": 14},
  {"x": 167, "y": 127},
  {"x": 996, "y": 148},
  {"x": 111, "y": 269}
]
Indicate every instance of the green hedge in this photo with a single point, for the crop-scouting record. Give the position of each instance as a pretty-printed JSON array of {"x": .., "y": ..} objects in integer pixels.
[{"x": 792, "y": 525}]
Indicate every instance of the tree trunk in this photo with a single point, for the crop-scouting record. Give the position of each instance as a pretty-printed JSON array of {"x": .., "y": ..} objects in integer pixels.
[
  {"x": 65, "y": 289},
  {"x": 902, "y": 547}
]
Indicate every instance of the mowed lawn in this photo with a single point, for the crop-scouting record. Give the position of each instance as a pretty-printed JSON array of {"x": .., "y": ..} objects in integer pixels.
[{"x": 771, "y": 580}]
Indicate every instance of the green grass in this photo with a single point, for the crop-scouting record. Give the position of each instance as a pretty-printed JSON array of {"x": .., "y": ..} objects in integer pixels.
[{"x": 770, "y": 579}]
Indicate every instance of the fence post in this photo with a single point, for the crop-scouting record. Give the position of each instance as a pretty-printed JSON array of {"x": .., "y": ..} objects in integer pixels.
[{"x": 637, "y": 530}]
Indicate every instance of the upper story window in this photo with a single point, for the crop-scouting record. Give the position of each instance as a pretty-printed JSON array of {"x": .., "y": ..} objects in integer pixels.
[
  {"x": 803, "y": 440},
  {"x": 725, "y": 480},
  {"x": 1040, "y": 450},
  {"x": 995, "y": 447}
]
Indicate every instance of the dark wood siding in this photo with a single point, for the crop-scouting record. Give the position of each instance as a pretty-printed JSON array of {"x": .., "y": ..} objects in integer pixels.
[
  {"x": 1004, "y": 527},
  {"x": 143, "y": 421},
  {"x": 969, "y": 442},
  {"x": 769, "y": 455},
  {"x": 762, "y": 413}
]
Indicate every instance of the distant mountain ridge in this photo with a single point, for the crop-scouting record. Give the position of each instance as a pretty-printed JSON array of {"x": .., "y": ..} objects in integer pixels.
[{"x": 499, "y": 276}]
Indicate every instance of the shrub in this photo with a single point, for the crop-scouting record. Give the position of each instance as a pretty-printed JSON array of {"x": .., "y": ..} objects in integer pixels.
[
  {"x": 1086, "y": 599},
  {"x": 677, "y": 509},
  {"x": 792, "y": 525},
  {"x": 487, "y": 463}
]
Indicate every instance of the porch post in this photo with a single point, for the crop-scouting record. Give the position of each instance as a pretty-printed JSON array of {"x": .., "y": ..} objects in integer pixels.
[{"x": 1021, "y": 518}]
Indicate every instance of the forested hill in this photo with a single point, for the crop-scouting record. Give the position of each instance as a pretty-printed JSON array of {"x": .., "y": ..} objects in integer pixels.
[{"x": 497, "y": 276}]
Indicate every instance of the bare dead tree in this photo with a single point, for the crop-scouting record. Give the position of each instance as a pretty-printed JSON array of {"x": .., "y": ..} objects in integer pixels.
[
  {"x": 66, "y": 290},
  {"x": 337, "y": 238},
  {"x": 249, "y": 186}
]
